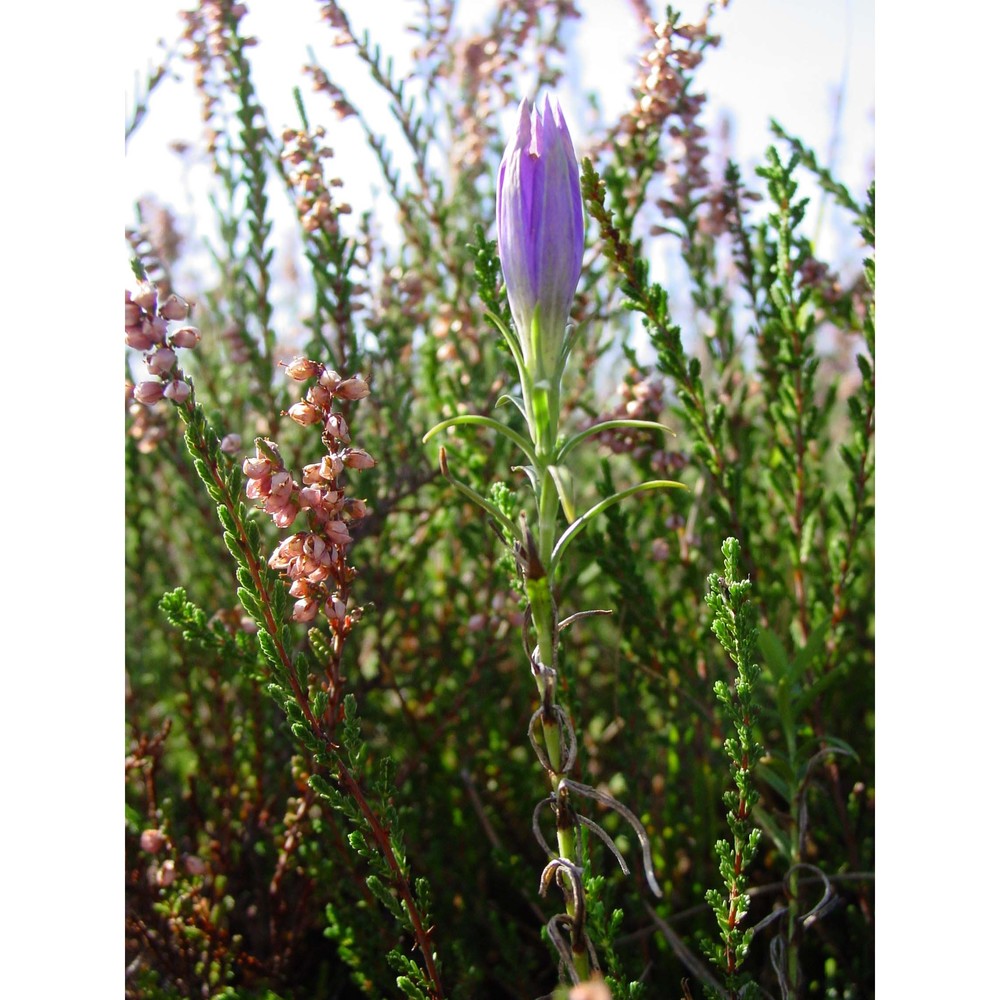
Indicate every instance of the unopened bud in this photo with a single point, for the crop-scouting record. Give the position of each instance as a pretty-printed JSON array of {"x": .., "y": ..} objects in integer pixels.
[
  {"x": 166, "y": 875},
  {"x": 161, "y": 361},
  {"x": 148, "y": 393},
  {"x": 540, "y": 233},
  {"x": 194, "y": 865},
  {"x": 592, "y": 990},
  {"x": 335, "y": 609},
  {"x": 152, "y": 841},
  {"x": 177, "y": 391},
  {"x": 174, "y": 308},
  {"x": 186, "y": 337},
  {"x": 140, "y": 337},
  {"x": 231, "y": 444},
  {"x": 305, "y": 610},
  {"x": 146, "y": 298}
]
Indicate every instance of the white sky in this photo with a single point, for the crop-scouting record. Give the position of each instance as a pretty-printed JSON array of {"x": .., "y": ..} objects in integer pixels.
[{"x": 780, "y": 58}]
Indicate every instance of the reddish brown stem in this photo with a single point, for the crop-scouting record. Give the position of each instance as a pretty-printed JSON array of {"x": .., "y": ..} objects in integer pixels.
[{"x": 258, "y": 573}]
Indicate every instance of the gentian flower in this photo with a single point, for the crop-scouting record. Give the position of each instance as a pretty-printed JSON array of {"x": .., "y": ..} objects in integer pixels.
[{"x": 540, "y": 233}]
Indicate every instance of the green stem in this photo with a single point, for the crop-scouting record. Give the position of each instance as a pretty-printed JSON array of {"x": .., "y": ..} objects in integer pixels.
[
  {"x": 792, "y": 956},
  {"x": 548, "y": 512},
  {"x": 543, "y": 405},
  {"x": 544, "y": 619}
]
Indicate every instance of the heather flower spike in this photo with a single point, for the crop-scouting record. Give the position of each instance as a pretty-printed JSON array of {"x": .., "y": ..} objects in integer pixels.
[{"x": 540, "y": 234}]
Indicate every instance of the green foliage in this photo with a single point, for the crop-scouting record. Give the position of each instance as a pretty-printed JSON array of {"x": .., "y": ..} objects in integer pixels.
[
  {"x": 313, "y": 812},
  {"x": 733, "y": 624}
]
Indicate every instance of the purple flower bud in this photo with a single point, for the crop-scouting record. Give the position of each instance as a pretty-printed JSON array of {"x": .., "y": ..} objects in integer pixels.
[{"x": 540, "y": 231}]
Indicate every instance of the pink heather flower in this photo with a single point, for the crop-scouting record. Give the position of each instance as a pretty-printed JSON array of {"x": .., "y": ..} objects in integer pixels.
[
  {"x": 304, "y": 413},
  {"x": 338, "y": 534},
  {"x": 355, "y": 509},
  {"x": 275, "y": 503},
  {"x": 355, "y": 458},
  {"x": 148, "y": 393},
  {"x": 312, "y": 561},
  {"x": 282, "y": 484},
  {"x": 286, "y": 515},
  {"x": 289, "y": 549},
  {"x": 335, "y": 609},
  {"x": 256, "y": 468},
  {"x": 133, "y": 314},
  {"x": 302, "y": 368},
  {"x": 310, "y": 496},
  {"x": 318, "y": 573},
  {"x": 194, "y": 865},
  {"x": 314, "y": 547},
  {"x": 174, "y": 308},
  {"x": 336, "y": 427},
  {"x": 186, "y": 337},
  {"x": 152, "y": 841},
  {"x": 329, "y": 379},
  {"x": 177, "y": 391},
  {"x": 145, "y": 299},
  {"x": 540, "y": 232},
  {"x": 161, "y": 361},
  {"x": 257, "y": 488},
  {"x": 331, "y": 467},
  {"x": 141, "y": 336},
  {"x": 313, "y": 474},
  {"x": 167, "y": 873},
  {"x": 659, "y": 550},
  {"x": 305, "y": 610},
  {"x": 333, "y": 501},
  {"x": 353, "y": 388},
  {"x": 319, "y": 396}
]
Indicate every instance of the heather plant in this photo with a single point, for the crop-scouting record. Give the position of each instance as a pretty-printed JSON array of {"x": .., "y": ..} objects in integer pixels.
[{"x": 496, "y": 627}]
